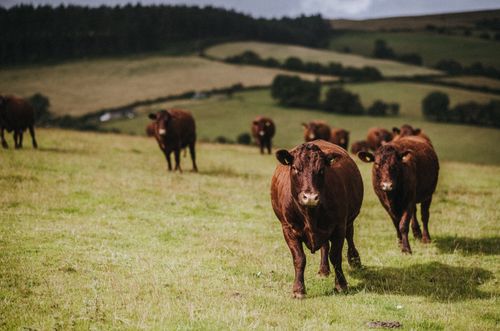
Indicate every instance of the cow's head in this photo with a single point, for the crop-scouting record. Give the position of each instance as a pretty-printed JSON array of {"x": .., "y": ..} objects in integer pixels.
[
  {"x": 308, "y": 166},
  {"x": 383, "y": 136},
  {"x": 311, "y": 131},
  {"x": 387, "y": 166},
  {"x": 344, "y": 137},
  {"x": 406, "y": 130},
  {"x": 263, "y": 126},
  {"x": 161, "y": 118}
]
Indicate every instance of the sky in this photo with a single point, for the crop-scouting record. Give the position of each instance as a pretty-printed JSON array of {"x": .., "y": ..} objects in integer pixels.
[{"x": 353, "y": 9}]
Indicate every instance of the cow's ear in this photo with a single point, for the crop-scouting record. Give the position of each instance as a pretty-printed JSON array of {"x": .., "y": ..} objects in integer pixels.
[
  {"x": 396, "y": 130},
  {"x": 366, "y": 157},
  {"x": 304, "y": 125},
  {"x": 406, "y": 155},
  {"x": 417, "y": 131},
  {"x": 255, "y": 122},
  {"x": 284, "y": 157},
  {"x": 332, "y": 158},
  {"x": 152, "y": 116}
]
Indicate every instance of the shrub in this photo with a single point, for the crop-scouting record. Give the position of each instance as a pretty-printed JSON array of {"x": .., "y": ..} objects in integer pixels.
[
  {"x": 394, "y": 109},
  {"x": 378, "y": 108},
  {"x": 450, "y": 66},
  {"x": 382, "y": 51},
  {"x": 293, "y": 63},
  {"x": 247, "y": 57},
  {"x": 244, "y": 138},
  {"x": 412, "y": 58},
  {"x": 341, "y": 101},
  {"x": 293, "y": 91},
  {"x": 41, "y": 104},
  {"x": 222, "y": 140},
  {"x": 271, "y": 62},
  {"x": 435, "y": 106}
]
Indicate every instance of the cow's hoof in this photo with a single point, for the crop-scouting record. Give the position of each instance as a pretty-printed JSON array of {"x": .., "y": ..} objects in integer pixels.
[
  {"x": 341, "y": 288},
  {"x": 323, "y": 273},
  {"x": 355, "y": 262},
  {"x": 426, "y": 240},
  {"x": 406, "y": 251},
  {"x": 298, "y": 295}
]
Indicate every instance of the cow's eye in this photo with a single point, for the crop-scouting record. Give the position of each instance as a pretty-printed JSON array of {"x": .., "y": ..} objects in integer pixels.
[{"x": 321, "y": 172}]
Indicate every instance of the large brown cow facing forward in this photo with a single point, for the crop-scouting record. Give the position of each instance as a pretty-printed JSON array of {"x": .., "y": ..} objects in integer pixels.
[
  {"x": 263, "y": 130},
  {"x": 16, "y": 115},
  {"x": 404, "y": 173},
  {"x": 175, "y": 130},
  {"x": 316, "y": 193}
]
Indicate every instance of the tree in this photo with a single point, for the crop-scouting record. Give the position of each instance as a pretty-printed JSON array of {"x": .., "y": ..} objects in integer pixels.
[
  {"x": 435, "y": 106},
  {"x": 41, "y": 104},
  {"x": 378, "y": 108},
  {"x": 293, "y": 91},
  {"x": 341, "y": 101},
  {"x": 382, "y": 51}
]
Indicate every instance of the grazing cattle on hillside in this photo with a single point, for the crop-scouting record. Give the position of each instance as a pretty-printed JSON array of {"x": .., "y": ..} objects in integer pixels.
[
  {"x": 359, "y": 146},
  {"x": 316, "y": 193},
  {"x": 404, "y": 173},
  {"x": 174, "y": 130},
  {"x": 407, "y": 130},
  {"x": 16, "y": 115},
  {"x": 263, "y": 130},
  {"x": 316, "y": 130},
  {"x": 340, "y": 137},
  {"x": 150, "y": 129},
  {"x": 377, "y": 136}
]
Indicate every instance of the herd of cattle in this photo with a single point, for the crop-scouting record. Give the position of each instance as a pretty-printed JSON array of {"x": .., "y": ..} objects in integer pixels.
[{"x": 316, "y": 189}]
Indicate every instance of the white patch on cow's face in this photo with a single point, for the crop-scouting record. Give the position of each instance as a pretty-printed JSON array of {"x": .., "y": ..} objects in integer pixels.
[
  {"x": 261, "y": 133},
  {"x": 311, "y": 136},
  {"x": 162, "y": 132},
  {"x": 342, "y": 141}
]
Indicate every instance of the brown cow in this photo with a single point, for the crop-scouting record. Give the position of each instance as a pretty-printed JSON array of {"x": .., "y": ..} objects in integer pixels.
[
  {"x": 407, "y": 130},
  {"x": 316, "y": 193},
  {"x": 405, "y": 173},
  {"x": 150, "y": 129},
  {"x": 316, "y": 130},
  {"x": 376, "y": 136},
  {"x": 359, "y": 146},
  {"x": 175, "y": 130},
  {"x": 339, "y": 137},
  {"x": 263, "y": 130},
  {"x": 16, "y": 115}
]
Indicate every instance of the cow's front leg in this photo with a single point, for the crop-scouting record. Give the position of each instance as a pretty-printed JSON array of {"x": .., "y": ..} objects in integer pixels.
[
  {"x": 324, "y": 265},
  {"x": 337, "y": 240},
  {"x": 404, "y": 227},
  {"x": 2, "y": 136},
  {"x": 299, "y": 263}
]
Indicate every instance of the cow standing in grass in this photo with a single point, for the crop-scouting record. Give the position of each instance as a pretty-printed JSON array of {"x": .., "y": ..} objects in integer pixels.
[
  {"x": 407, "y": 130},
  {"x": 174, "y": 129},
  {"x": 404, "y": 173},
  {"x": 263, "y": 130},
  {"x": 16, "y": 115},
  {"x": 316, "y": 130},
  {"x": 340, "y": 137},
  {"x": 316, "y": 193},
  {"x": 377, "y": 136}
]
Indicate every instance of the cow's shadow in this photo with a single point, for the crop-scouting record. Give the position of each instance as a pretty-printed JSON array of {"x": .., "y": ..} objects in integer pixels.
[
  {"x": 435, "y": 281},
  {"x": 468, "y": 246},
  {"x": 59, "y": 150}
]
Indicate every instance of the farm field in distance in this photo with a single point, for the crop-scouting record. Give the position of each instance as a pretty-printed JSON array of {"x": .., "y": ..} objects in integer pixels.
[
  {"x": 431, "y": 46},
  {"x": 95, "y": 234},
  {"x": 219, "y": 116},
  {"x": 281, "y": 52},
  {"x": 80, "y": 87}
]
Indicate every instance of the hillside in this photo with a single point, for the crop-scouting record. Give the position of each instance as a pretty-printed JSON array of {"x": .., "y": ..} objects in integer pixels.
[
  {"x": 281, "y": 52},
  {"x": 451, "y": 20},
  {"x": 96, "y": 235},
  {"x": 84, "y": 86}
]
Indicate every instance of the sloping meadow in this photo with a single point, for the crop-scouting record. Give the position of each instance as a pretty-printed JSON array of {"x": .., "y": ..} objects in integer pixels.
[{"x": 94, "y": 233}]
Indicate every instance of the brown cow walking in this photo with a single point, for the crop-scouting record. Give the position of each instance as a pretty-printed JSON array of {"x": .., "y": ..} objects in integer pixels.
[
  {"x": 316, "y": 193},
  {"x": 340, "y": 137},
  {"x": 263, "y": 130},
  {"x": 376, "y": 136},
  {"x": 16, "y": 115},
  {"x": 316, "y": 130},
  {"x": 404, "y": 173},
  {"x": 174, "y": 130}
]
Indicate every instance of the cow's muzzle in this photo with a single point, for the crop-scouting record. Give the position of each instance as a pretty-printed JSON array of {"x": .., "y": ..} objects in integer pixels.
[
  {"x": 162, "y": 132},
  {"x": 308, "y": 199},
  {"x": 386, "y": 186}
]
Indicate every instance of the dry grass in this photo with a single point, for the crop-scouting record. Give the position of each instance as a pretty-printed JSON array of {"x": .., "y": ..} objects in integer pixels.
[
  {"x": 474, "y": 81},
  {"x": 281, "y": 52},
  {"x": 80, "y": 87}
]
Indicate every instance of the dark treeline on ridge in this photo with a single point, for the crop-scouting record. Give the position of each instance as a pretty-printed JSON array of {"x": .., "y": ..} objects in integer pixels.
[{"x": 34, "y": 34}]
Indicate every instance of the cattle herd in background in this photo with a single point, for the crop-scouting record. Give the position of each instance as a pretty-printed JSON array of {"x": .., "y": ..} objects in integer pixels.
[{"x": 316, "y": 189}]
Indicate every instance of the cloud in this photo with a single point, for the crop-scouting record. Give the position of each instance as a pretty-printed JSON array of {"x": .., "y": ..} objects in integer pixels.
[{"x": 335, "y": 8}]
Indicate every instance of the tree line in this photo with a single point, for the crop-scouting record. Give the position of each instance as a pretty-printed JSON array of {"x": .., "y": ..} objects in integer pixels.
[{"x": 31, "y": 34}]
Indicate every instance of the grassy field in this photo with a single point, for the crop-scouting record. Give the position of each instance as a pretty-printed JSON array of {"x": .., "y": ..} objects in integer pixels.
[
  {"x": 473, "y": 80},
  {"x": 80, "y": 87},
  {"x": 432, "y": 47},
  {"x": 219, "y": 116},
  {"x": 281, "y": 52},
  {"x": 96, "y": 235}
]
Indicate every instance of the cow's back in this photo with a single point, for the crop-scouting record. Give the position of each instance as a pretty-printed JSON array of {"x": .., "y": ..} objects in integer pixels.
[{"x": 426, "y": 162}]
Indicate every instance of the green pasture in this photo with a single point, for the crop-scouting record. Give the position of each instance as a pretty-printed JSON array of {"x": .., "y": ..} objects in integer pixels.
[
  {"x": 431, "y": 46},
  {"x": 281, "y": 52},
  {"x": 95, "y": 234},
  {"x": 219, "y": 116}
]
